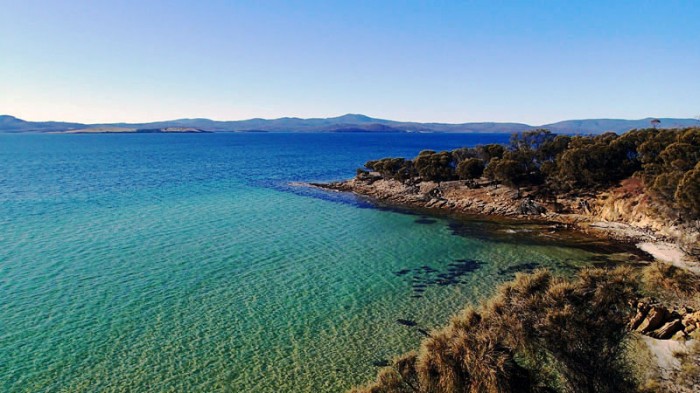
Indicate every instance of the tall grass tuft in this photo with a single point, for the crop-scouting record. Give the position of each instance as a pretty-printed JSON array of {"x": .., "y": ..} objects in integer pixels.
[{"x": 539, "y": 333}]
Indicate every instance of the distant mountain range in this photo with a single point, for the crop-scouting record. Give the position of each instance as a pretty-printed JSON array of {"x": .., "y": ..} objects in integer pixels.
[{"x": 346, "y": 123}]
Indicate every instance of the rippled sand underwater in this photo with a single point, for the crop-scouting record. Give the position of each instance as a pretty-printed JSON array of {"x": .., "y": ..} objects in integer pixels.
[{"x": 186, "y": 263}]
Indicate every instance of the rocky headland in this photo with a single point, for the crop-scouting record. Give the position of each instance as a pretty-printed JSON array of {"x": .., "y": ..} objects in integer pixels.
[
  {"x": 668, "y": 329},
  {"x": 623, "y": 213},
  {"x": 631, "y": 329}
]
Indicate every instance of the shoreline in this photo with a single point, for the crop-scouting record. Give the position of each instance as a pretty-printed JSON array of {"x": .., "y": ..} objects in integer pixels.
[
  {"x": 503, "y": 203},
  {"x": 658, "y": 245}
]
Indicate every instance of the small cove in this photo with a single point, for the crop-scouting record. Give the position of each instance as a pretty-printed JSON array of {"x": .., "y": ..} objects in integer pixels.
[{"x": 187, "y": 262}]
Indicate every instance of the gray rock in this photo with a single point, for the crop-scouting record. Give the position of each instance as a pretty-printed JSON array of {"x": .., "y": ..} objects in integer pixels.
[{"x": 529, "y": 207}]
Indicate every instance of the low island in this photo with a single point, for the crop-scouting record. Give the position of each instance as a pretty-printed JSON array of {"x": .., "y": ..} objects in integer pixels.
[{"x": 605, "y": 330}]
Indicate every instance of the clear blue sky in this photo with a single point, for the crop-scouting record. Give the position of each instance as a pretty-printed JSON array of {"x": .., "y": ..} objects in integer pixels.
[{"x": 448, "y": 61}]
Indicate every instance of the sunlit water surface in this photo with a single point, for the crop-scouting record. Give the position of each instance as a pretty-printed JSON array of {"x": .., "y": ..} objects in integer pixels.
[{"x": 189, "y": 262}]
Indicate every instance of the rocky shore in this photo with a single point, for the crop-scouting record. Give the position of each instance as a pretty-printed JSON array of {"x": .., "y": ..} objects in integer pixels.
[
  {"x": 656, "y": 320},
  {"x": 669, "y": 331},
  {"x": 623, "y": 213}
]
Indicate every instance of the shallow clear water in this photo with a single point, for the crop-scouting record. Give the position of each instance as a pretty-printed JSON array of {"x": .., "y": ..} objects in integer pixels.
[{"x": 189, "y": 262}]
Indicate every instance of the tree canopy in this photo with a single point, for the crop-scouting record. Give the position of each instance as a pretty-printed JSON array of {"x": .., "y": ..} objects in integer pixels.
[{"x": 666, "y": 161}]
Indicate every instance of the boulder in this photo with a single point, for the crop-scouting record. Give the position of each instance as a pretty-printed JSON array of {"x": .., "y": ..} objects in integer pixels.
[
  {"x": 638, "y": 318},
  {"x": 655, "y": 319},
  {"x": 668, "y": 330},
  {"x": 435, "y": 193},
  {"x": 692, "y": 319},
  {"x": 529, "y": 207}
]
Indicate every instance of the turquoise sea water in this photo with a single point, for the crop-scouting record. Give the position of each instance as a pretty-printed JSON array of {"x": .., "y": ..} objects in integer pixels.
[{"x": 189, "y": 262}]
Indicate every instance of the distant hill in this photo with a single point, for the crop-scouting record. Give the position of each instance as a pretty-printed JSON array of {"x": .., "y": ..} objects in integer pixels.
[
  {"x": 13, "y": 124},
  {"x": 345, "y": 123},
  {"x": 131, "y": 130},
  {"x": 615, "y": 125}
]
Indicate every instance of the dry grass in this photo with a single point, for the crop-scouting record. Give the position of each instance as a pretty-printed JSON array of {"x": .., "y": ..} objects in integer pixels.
[
  {"x": 671, "y": 284},
  {"x": 642, "y": 364},
  {"x": 689, "y": 374},
  {"x": 538, "y": 334}
]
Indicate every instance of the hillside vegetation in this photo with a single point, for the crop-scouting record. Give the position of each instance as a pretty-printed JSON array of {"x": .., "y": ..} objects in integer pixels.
[{"x": 667, "y": 162}]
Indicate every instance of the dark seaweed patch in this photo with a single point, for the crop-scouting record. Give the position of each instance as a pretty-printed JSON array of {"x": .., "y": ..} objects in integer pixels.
[
  {"x": 425, "y": 221},
  {"x": 424, "y": 276},
  {"x": 402, "y": 272},
  {"x": 380, "y": 363},
  {"x": 413, "y": 325},
  {"x": 406, "y": 322},
  {"x": 526, "y": 267}
]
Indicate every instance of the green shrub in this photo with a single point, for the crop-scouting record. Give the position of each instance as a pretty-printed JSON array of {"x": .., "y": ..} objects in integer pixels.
[
  {"x": 471, "y": 168},
  {"x": 434, "y": 166}
]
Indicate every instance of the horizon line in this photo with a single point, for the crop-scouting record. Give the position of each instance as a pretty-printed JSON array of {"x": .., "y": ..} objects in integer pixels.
[{"x": 697, "y": 117}]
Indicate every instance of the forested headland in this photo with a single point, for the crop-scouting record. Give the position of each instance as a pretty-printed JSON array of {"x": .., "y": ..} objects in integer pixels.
[{"x": 666, "y": 161}]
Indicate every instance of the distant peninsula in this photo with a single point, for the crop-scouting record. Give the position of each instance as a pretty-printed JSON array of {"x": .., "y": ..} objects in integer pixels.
[
  {"x": 350, "y": 123},
  {"x": 128, "y": 130}
]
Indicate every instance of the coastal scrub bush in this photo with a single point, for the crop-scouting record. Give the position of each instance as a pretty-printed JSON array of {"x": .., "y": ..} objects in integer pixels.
[
  {"x": 670, "y": 283},
  {"x": 688, "y": 191},
  {"x": 595, "y": 162},
  {"x": 471, "y": 168},
  {"x": 393, "y": 168},
  {"x": 665, "y": 160},
  {"x": 435, "y": 166},
  {"x": 689, "y": 374},
  {"x": 464, "y": 153},
  {"x": 531, "y": 140},
  {"x": 509, "y": 171},
  {"x": 670, "y": 171},
  {"x": 490, "y": 151},
  {"x": 539, "y": 333}
]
